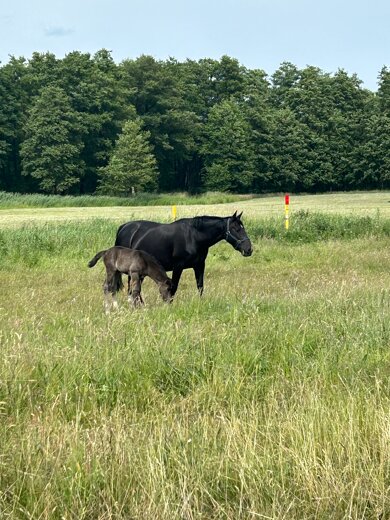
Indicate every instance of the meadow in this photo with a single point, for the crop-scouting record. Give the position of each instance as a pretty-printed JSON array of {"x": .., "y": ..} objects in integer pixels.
[
  {"x": 23, "y": 209},
  {"x": 36, "y": 200},
  {"x": 267, "y": 398}
]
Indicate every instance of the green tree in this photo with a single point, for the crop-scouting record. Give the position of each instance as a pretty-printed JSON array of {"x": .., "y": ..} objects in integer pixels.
[
  {"x": 43, "y": 69},
  {"x": 284, "y": 81},
  {"x": 229, "y": 79},
  {"x": 132, "y": 164},
  {"x": 384, "y": 90},
  {"x": 372, "y": 154},
  {"x": 97, "y": 94},
  {"x": 260, "y": 115},
  {"x": 14, "y": 101},
  {"x": 156, "y": 90},
  {"x": 227, "y": 151},
  {"x": 301, "y": 129},
  {"x": 51, "y": 150},
  {"x": 289, "y": 151},
  {"x": 380, "y": 131},
  {"x": 329, "y": 110}
]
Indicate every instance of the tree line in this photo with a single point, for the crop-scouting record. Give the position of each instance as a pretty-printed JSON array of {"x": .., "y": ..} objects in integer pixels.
[{"x": 85, "y": 124}]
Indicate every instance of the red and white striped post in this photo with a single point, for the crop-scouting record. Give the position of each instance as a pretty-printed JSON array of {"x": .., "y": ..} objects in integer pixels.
[{"x": 286, "y": 208}]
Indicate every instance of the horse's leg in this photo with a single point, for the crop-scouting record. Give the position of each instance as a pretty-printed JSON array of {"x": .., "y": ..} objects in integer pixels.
[
  {"x": 176, "y": 274},
  {"x": 199, "y": 275},
  {"x": 136, "y": 289}
]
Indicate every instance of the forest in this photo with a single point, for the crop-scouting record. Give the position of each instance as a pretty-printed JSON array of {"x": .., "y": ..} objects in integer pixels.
[{"x": 85, "y": 124}]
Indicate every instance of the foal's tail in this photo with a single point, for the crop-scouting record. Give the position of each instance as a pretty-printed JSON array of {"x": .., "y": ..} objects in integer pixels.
[{"x": 94, "y": 260}]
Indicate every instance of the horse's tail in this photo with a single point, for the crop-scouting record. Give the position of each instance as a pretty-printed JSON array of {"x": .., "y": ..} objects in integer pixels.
[{"x": 94, "y": 260}]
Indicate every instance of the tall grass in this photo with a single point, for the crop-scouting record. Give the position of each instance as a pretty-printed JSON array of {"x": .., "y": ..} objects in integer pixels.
[
  {"x": 268, "y": 398},
  {"x": 310, "y": 226},
  {"x": 16, "y": 200},
  {"x": 34, "y": 243}
]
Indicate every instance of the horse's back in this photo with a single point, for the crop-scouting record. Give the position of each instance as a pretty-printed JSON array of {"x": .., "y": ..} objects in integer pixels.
[{"x": 128, "y": 233}]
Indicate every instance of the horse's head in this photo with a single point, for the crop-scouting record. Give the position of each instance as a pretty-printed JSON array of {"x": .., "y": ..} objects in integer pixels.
[
  {"x": 166, "y": 290},
  {"x": 236, "y": 235}
]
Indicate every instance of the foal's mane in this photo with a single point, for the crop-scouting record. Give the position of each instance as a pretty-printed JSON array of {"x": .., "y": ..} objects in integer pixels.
[{"x": 155, "y": 263}]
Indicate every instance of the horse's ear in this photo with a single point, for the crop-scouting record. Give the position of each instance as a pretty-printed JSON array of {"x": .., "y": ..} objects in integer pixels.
[
  {"x": 234, "y": 214},
  {"x": 239, "y": 216}
]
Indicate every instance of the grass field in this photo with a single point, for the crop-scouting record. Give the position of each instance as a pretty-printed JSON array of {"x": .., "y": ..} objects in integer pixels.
[
  {"x": 359, "y": 203},
  {"x": 268, "y": 398}
]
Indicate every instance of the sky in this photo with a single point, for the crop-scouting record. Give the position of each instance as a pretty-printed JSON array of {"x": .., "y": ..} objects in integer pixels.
[{"x": 353, "y": 35}]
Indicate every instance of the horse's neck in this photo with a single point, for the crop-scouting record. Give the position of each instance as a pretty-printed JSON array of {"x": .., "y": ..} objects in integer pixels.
[{"x": 211, "y": 233}]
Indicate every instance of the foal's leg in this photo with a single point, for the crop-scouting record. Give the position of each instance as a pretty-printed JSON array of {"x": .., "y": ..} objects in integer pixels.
[
  {"x": 130, "y": 290},
  {"x": 107, "y": 291},
  {"x": 116, "y": 286},
  {"x": 110, "y": 287},
  {"x": 141, "y": 279},
  {"x": 136, "y": 297},
  {"x": 115, "y": 305},
  {"x": 106, "y": 303}
]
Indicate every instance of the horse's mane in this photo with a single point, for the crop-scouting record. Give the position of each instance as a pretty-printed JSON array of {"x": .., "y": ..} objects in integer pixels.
[{"x": 200, "y": 222}]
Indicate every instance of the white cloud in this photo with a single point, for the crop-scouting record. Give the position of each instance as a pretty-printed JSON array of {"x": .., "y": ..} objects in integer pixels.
[{"x": 58, "y": 31}]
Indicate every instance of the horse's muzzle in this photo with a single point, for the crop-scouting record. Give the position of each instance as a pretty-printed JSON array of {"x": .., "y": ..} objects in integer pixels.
[{"x": 246, "y": 252}]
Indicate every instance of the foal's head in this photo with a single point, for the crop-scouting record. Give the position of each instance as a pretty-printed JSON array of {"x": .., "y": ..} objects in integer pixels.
[{"x": 165, "y": 288}]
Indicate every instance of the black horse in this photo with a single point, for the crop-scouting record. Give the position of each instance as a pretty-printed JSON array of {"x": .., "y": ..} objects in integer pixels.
[{"x": 185, "y": 243}]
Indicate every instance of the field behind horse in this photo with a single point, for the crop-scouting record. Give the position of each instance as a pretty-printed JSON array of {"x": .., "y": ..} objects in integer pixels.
[
  {"x": 357, "y": 203},
  {"x": 268, "y": 398}
]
